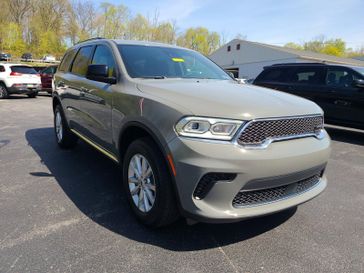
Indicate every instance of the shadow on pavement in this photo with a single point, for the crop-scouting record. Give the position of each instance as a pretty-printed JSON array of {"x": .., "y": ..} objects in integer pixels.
[
  {"x": 347, "y": 135},
  {"x": 93, "y": 184}
]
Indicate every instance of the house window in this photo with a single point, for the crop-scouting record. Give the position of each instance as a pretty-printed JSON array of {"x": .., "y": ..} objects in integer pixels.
[
  {"x": 238, "y": 47},
  {"x": 229, "y": 48}
]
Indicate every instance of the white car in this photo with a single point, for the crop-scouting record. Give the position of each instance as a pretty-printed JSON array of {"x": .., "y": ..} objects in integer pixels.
[
  {"x": 48, "y": 58},
  {"x": 18, "y": 79}
]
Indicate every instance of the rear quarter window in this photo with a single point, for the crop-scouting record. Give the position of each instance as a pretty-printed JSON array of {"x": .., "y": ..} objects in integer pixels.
[{"x": 273, "y": 75}]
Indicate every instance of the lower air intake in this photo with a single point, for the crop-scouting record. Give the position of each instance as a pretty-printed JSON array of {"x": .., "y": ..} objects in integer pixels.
[{"x": 261, "y": 197}]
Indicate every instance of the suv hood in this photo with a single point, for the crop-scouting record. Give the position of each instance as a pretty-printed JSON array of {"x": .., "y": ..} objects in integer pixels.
[{"x": 227, "y": 99}]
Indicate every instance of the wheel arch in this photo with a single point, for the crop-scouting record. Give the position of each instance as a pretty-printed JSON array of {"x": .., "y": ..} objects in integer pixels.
[{"x": 136, "y": 129}]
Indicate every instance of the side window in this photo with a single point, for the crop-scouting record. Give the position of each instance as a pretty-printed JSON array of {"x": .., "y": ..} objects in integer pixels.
[
  {"x": 273, "y": 75},
  {"x": 2, "y": 68},
  {"x": 339, "y": 77},
  {"x": 66, "y": 60},
  {"x": 82, "y": 61},
  {"x": 104, "y": 56},
  {"x": 48, "y": 70},
  {"x": 306, "y": 75}
]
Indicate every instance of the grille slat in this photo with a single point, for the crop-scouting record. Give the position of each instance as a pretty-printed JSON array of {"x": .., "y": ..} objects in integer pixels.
[
  {"x": 261, "y": 197},
  {"x": 258, "y": 131}
]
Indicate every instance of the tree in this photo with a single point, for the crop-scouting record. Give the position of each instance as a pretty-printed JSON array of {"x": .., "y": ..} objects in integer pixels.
[
  {"x": 199, "y": 39},
  {"x": 294, "y": 46}
]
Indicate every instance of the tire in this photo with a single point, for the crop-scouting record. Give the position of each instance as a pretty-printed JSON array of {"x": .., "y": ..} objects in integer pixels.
[
  {"x": 33, "y": 95},
  {"x": 163, "y": 211},
  {"x": 64, "y": 137},
  {"x": 3, "y": 91}
]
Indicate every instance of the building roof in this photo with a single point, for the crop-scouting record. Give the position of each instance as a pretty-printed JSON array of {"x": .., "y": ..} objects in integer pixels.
[{"x": 294, "y": 53}]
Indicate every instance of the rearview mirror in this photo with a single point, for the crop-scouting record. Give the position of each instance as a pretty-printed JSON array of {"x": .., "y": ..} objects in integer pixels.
[
  {"x": 358, "y": 83},
  {"x": 99, "y": 73}
]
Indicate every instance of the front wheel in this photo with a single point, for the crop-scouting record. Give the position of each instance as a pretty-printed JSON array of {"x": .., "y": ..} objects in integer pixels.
[
  {"x": 148, "y": 184},
  {"x": 33, "y": 95},
  {"x": 65, "y": 138}
]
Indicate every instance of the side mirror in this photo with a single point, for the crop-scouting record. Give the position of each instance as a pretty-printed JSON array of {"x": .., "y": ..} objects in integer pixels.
[
  {"x": 358, "y": 83},
  {"x": 231, "y": 74},
  {"x": 99, "y": 73}
]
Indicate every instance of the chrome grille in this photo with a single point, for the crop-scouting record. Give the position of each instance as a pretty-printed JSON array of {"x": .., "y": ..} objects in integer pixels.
[
  {"x": 258, "y": 131},
  {"x": 261, "y": 197}
]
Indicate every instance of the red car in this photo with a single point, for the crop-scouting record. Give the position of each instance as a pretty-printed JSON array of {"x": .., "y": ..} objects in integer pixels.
[{"x": 46, "y": 76}]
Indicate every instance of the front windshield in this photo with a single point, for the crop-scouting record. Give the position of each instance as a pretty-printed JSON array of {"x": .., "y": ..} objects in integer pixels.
[
  {"x": 165, "y": 62},
  {"x": 359, "y": 69}
]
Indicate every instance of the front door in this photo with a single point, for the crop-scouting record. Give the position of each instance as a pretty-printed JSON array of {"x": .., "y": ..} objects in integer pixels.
[{"x": 96, "y": 102}]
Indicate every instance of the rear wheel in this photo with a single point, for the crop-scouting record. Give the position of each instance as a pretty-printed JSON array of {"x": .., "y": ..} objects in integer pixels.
[
  {"x": 148, "y": 184},
  {"x": 3, "y": 91},
  {"x": 65, "y": 138}
]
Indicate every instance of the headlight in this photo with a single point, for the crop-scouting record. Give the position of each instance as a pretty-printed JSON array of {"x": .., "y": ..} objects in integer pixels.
[{"x": 208, "y": 128}]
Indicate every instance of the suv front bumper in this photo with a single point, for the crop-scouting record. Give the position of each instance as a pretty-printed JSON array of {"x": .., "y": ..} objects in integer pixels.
[{"x": 279, "y": 162}]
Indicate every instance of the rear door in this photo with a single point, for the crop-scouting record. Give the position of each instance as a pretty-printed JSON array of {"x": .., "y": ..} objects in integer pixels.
[
  {"x": 308, "y": 82},
  {"x": 346, "y": 101}
]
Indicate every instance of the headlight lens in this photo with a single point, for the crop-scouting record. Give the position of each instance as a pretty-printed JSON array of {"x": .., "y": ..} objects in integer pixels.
[{"x": 208, "y": 128}]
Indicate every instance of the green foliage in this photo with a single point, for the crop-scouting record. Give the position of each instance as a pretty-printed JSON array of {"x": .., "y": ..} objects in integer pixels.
[
  {"x": 47, "y": 26},
  {"x": 336, "y": 47},
  {"x": 199, "y": 39}
]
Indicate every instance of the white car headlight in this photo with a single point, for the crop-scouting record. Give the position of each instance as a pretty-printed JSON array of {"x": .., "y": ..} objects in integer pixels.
[{"x": 208, "y": 128}]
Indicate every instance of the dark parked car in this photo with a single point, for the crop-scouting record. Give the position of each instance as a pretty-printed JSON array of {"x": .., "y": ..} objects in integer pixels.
[
  {"x": 46, "y": 76},
  {"x": 26, "y": 57},
  {"x": 5, "y": 56},
  {"x": 338, "y": 89}
]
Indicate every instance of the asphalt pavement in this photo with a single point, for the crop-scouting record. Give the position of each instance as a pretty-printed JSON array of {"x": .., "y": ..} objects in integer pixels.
[{"x": 65, "y": 211}]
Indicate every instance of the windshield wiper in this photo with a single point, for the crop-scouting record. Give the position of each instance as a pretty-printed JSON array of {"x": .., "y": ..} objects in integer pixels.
[{"x": 154, "y": 77}]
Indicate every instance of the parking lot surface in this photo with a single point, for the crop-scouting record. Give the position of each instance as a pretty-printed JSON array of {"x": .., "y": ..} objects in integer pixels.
[{"x": 65, "y": 211}]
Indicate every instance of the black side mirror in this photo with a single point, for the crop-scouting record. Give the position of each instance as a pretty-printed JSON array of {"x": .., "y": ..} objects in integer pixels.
[
  {"x": 99, "y": 73},
  {"x": 358, "y": 83}
]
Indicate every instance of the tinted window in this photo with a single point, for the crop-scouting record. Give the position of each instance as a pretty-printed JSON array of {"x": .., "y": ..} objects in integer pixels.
[
  {"x": 273, "y": 75},
  {"x": 306, "y": 75},
  {"x": 82, "y": 60},
  {"x": 23, "y": 69},
  {"x": 340, "y": 77},
  {"x": 153, "y": 61},
  {"x": 50, "y": 70},
  {"x": 104, "y": 56},
  {"x": 66, "y": 61}
]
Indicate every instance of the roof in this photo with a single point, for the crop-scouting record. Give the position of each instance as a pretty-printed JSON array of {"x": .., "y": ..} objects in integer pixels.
[
  {"x": 131, "y": 42},
  {"x": 309, "y": 55}
]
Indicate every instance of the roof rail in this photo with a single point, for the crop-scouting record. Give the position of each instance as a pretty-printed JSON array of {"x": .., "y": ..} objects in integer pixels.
[
  {"x": 293, "y": 64},
  {"x": 90, "y": 39}
]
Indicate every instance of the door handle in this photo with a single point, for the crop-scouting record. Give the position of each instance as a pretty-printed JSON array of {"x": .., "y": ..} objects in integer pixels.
[{"x": 84, "y": 90}]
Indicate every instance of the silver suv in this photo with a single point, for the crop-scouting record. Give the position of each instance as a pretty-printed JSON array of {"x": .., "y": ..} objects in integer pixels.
[{"x": 190, "y": 140}]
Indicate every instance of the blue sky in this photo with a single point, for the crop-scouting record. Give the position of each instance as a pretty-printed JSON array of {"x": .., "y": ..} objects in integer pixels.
[{"x": 268, "y": 21}]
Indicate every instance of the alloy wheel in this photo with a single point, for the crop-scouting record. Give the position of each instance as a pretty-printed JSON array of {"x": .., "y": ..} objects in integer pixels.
[
  {"x": 59, "y": 127},
  {"x": 141, "y": 183}
]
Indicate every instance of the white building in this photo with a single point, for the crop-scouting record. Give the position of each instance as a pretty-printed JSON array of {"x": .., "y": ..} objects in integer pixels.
[{"x": 247, "y": 59}]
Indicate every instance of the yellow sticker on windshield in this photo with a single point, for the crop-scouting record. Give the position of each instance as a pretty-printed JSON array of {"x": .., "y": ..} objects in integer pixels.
[{"x": 178, "y": 60}]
